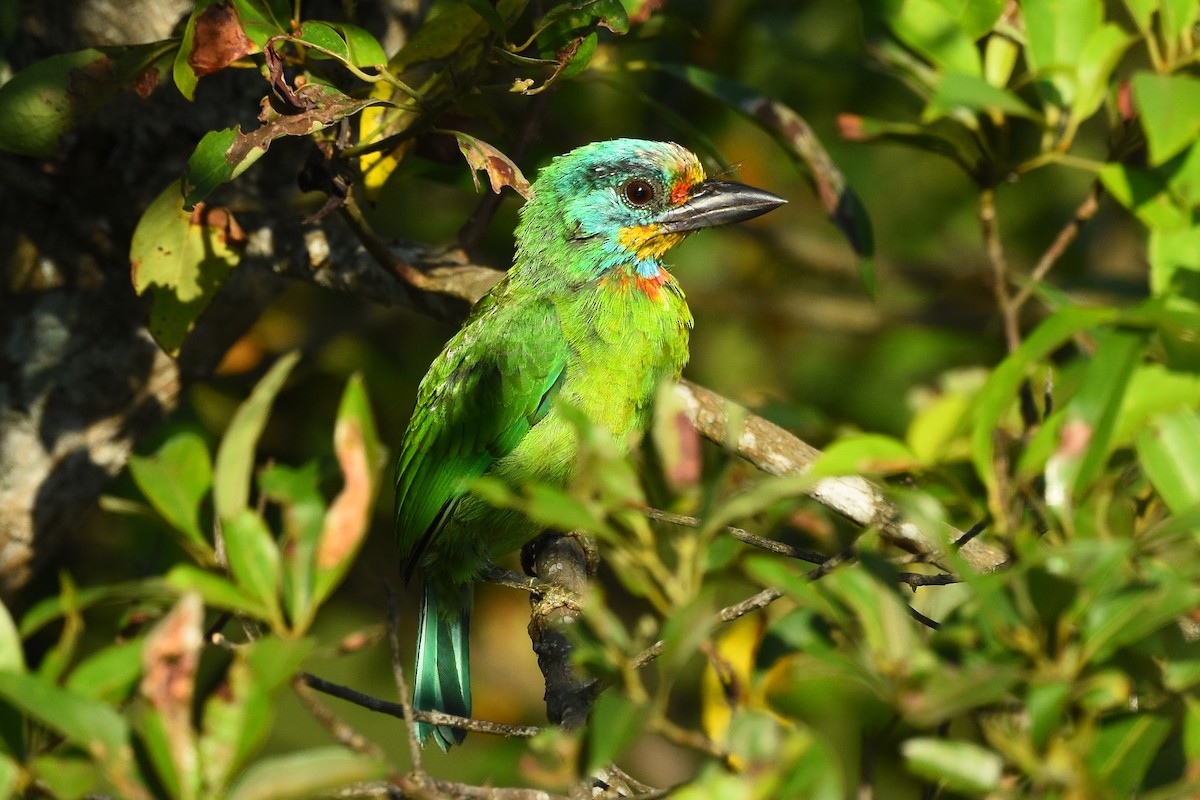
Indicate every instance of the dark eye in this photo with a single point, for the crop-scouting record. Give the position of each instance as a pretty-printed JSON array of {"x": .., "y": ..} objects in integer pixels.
[{"x": 638, "y": 192}]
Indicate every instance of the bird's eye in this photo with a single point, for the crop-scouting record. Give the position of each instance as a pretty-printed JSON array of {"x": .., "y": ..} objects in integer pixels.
[{"x": 638, "y": 192}]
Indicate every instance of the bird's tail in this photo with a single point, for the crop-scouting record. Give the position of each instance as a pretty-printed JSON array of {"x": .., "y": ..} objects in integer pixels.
[{"x": 443, "y": 672}]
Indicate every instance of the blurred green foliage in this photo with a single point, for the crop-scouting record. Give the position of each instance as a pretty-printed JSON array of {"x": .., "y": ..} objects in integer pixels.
[{"x": 1031, "y": 361}]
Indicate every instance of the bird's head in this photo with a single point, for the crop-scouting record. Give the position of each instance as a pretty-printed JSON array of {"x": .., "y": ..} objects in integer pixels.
[{"x": 624, "y": 203}]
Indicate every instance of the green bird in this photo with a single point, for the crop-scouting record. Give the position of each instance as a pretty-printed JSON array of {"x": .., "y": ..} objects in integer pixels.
[{"x": 587, "y": 315}]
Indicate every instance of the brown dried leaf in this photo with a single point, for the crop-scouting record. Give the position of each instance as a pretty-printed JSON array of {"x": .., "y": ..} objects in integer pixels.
[
  {"x": 500, "y": 169},
  {"x": 219, "y": 40}
]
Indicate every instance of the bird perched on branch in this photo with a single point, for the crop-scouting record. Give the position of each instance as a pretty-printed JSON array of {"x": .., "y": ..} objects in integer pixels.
[{"x": 586, "y": 316}]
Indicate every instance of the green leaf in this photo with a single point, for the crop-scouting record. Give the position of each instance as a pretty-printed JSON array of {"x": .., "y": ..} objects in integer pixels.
[
  {"x": 235, "y": 456},
  {"x": 487, "y": 11},
  {"x": 1124, "y": 749},
  {"x": 1142, "y": 12},
  {"x": 951, "y": 692},
  {"x": 622, "y": 721},
  {"x": 364, "y": 49},
  {"x": 67, "y": 776},
  {"x": 883, "y": 618},
  {"x": 999, "y": 393},
  {"x": 1170, "y": 112},
  {"x": 175, "y": 479},
  {"x": 975, "y": 17},
  {"x": 928, "y": 28},
  {"x": 862, "y": 454},
  {"x": 959, "y": 766},
  {"x": 12, "y": 655},
  {"x": 237, "y": 719},
  {"x": 320, "y": 35},
  {"x": 360, "y": 456},
  {"x": 51, "y": 608},
  {"x": 217, "y": 591},
  {"x": 1177, "y": 17},
  {"x": 1101, "y": 54},
  {"x": 182, "y": 259},
  {"x": 254, "y": 561},
  {"x": 296, "y": 492},
  {"x": 94, "y": 726},
  {"x": 1169, "y": 450},
  {"x": 1091, "y": 418},
  {"x": 1175, "y": 264},
  {"x": 262, "y": 19},
  {"x": 41, "y": 103},
  {"x": 223, "y": 155},
  {"x": 1147, "y": 194},
  {"x": 10, "y": 776},
  {"x": 1128, "y": 616},
  {"x": 109, "y": 674},
  {"x": 305, "y": 774},
  {"x": 1045, "y": 703},
  {"x": 1058, "y": 31},
  {"x": 956, "y": 93}
]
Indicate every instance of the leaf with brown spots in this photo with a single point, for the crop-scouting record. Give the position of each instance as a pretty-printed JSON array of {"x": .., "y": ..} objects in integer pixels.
[
  {"x": 182, "y": 258},
  {"x": 500, "y": 169},
  {"x": 170, "y": 656},
  {"x": 223, "y": 155},
  {"x": 218, "y": 40}
]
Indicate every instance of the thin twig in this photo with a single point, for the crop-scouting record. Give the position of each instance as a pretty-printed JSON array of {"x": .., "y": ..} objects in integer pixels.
[
  {"x": 915, "y": 579},
  {"x": 406, "y": 709},
  {"x": 990, "y": 225},
  {"x": 337, "y": 727},
  {"x": 372, "y": 703},
  {"x": 1086, "y": 210},
  {"x": 752, "y": 539},
  {"x": 692, "y": 740}
]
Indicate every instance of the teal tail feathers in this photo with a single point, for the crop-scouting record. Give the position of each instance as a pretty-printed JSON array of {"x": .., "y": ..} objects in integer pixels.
[{"x": 443, "y": 673}]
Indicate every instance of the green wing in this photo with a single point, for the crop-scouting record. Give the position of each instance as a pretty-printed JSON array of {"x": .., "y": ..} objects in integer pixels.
[{"x": 494, "y": 381}]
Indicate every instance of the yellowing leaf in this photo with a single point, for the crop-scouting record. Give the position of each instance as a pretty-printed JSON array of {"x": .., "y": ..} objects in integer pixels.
[{"x": 182, "y": 258}]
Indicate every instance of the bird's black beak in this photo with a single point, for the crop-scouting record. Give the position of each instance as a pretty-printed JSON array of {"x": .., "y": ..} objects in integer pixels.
[{"x": 713, "y": 203}]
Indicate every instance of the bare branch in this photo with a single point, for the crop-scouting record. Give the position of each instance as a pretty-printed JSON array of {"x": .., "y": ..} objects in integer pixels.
[
  {"x": 338, "y": 728},
  {"x": 406, "y": 709},
  {"x": 432, "y": 717},
  {"x": 1086, "y": 210}
]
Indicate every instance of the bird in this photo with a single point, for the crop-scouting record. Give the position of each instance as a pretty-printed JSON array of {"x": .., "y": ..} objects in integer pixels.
[{"x": 588, "y": 315}]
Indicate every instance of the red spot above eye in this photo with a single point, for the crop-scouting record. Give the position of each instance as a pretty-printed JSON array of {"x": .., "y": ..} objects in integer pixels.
[{"x": 680, "y": 192}]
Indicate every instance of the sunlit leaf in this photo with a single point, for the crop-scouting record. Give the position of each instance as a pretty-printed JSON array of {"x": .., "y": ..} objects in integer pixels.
[
  {"x": 958, "y": 765},
  {"x": 1170, "y": 109},
  {"x": 181, "y": 258},
  {"x": 929, "y": 28},
  {"x": 864, "y": 454},
  {"x": 1169, "y": 449},
  {"x": 12, "y": 656},
  {"x": 364, "y": 49}
]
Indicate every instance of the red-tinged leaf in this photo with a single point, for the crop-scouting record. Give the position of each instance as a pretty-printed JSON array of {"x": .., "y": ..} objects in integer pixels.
[
  {"x": 500, "y": 169},
  {"x": 218, "y": 40},
  {"x": 357, "y": 450},
  {"x": 170, "y": 656}
]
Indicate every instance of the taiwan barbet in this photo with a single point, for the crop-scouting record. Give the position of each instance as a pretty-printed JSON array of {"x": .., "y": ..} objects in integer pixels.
[{"x": 586, "y": 316}]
